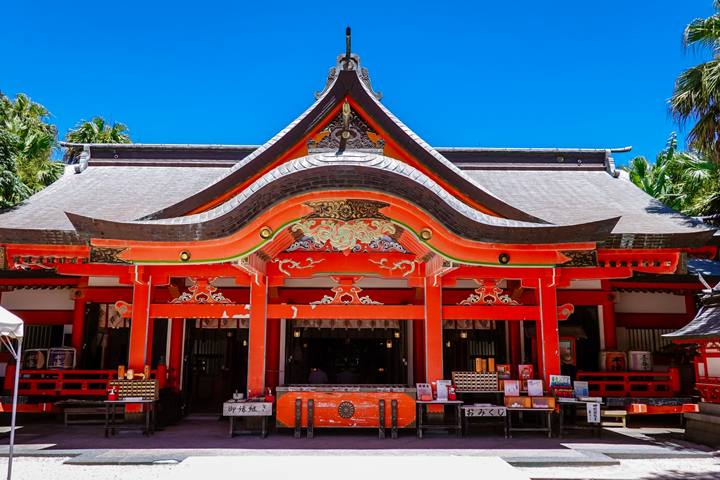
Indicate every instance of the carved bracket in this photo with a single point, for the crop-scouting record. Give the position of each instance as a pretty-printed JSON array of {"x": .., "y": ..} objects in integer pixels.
[
  {"x": 290, "y": 264},
  {"x": 564, "y": 311},
  {"x": 346, "y": 293},
  {"x": 489, "y": 294},
  {"x": 202, "y": 292},
  {"x": 124, "y": 309},
  {"x": 407, "y": 265}
]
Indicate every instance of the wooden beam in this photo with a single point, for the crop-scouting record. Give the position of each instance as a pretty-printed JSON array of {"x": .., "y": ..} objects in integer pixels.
[
  {"x": 369, "y": 312},
  {"x": 313, "y": 264}
]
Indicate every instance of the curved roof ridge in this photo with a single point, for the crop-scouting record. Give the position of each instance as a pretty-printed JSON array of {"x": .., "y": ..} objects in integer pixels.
[
  {"x": 350, "y": 171},
  {"x": 388, "y": 163}
]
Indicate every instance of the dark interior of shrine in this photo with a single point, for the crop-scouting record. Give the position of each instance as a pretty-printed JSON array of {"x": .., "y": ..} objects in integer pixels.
[
  {"x": 216, "y": 366},
  {"x": 370, "y": 356}
]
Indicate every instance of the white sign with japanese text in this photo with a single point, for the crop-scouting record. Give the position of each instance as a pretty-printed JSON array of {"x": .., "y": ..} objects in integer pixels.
[
  {"x": 247, "y": 409},
  {"x": 485, "y": 411},
  {"x": 593, "y": 412}
]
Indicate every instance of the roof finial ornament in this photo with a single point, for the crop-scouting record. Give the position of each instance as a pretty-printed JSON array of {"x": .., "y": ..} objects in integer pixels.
[{"x": 348, "y": 64}]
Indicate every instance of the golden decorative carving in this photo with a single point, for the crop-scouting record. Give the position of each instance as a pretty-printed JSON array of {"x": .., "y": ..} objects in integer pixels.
[
  {"x": 344, "y": 236},
  {"x": 108, "y": 255},
  {"x": 579, "y": 258},
  {"x": 346, "y": 210}
]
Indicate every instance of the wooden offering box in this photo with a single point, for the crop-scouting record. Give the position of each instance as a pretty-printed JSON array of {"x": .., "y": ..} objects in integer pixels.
[
  {"x": 480, "y": 381},
  {"x": 543, "y": 402},
  {"x": 346, "y": 405},
  {"x": 518, "y": 402},
  {"x": 145, "y": 389}
]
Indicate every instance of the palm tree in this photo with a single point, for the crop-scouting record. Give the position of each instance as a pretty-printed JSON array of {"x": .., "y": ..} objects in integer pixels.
[
  {"x": 28, "y": 141},
  {"x": 97, "y": 130},
  {"x": 683, "y": 180},
  {"x": 12, "y": 189},
  {"x": 696, "y": 96}
]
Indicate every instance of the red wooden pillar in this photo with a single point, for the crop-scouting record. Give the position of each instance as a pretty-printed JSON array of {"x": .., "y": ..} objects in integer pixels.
[
  {"x": 608, "y": 317},
  {"x": 609, "y": 331},
  {"x": 139, "y": 326},
  {"x": 433, "y": 329},
  {"x": 272, "y": 373},
  {"x": 176, "y": 341},
  {"x": 515, "y": 353},
  {"x": 548, "y": 340},
  {"x": 257, "y": 337},
  {"x": 150, "y": 335},
  {"x": 419, "y": 351},
  {"x": 78, "y": 325}
]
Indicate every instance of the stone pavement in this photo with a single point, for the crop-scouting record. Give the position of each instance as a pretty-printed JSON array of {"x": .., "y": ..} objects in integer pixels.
[{"x": 206, "y": 436}]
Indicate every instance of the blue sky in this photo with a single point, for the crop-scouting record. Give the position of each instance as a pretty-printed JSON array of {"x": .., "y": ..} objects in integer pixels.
[{"x": 466, "y": 74}]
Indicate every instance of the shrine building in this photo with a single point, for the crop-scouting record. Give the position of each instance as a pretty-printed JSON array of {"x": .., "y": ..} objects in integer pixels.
[{"x": 343, "y": 243}]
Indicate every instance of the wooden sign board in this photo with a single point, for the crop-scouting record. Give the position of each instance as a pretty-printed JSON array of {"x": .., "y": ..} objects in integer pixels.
[
  {"x": 247, "y": 409},
  {"x": 485, "y": 411}
]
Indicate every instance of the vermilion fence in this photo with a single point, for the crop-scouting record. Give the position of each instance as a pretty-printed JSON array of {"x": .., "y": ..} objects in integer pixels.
[
  {"x": 62, "y": 382},
  {"x": 631, "y": 384}
]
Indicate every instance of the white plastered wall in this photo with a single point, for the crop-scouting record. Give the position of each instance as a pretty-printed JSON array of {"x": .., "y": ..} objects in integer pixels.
[{"x": 639, "y": 302}]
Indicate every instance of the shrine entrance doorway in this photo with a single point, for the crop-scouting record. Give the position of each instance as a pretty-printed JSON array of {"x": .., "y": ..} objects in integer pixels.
[
  {"x": 216, "y": 367},
  {"x": 369, "y": 351}
]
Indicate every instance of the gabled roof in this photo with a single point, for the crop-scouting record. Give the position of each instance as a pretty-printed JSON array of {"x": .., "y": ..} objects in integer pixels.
[
  {"x": 146, "y": 192},
  {"x": 706, "y": 324},
  {"x": 343, "y": 82}
]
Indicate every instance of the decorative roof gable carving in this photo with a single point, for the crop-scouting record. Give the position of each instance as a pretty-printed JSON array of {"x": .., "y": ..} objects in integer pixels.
[{"x": 347, "y": 131}]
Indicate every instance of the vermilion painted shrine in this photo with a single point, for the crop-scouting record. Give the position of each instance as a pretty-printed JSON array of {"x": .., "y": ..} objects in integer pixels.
[{"x": 344, "y": 242}]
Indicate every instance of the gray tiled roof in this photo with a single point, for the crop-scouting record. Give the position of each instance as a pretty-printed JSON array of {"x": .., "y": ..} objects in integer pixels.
[
  {"x": 567, "y": 197},
  {"x": 706, "y": 323},
  {"x": 120, "y": 193},
  {"x": 348, "y": 171}
]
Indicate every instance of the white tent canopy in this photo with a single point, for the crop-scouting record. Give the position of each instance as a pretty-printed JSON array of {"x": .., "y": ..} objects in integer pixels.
[{"x": 11, "y": 326}]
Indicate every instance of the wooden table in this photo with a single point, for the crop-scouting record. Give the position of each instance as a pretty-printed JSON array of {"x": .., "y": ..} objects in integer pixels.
[
  {"x": 590, "y": 426},
  {"x": 458, "y": 417},
  {"x": 110, "y": 421},
  {"x": 489, "y": 415},
  {"x": 498, "y": 395},
  {"x": 547, "y": 428},
  {"x": 247, "y": 408}
]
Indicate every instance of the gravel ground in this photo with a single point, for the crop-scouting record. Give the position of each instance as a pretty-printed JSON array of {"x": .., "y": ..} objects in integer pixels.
[
  {"x": 39, "y": 468},
  {"x": 34, "y": 468},
  {"x": 655, "y": 469}
]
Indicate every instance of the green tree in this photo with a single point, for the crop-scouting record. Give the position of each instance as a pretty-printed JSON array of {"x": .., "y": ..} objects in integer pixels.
[
  {"x": 686, "y": 181},
  {"x": 12, "y": 189},
  {"x": 27, "y": 141},
  {"x": 97, "y": 130},
  {"x": 696, "y": 96}
]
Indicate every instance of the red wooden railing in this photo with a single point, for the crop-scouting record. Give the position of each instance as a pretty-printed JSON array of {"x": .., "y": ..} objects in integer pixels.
[
  {"x": 60, "y": 383},
  {"x": 631, "y": 384}
]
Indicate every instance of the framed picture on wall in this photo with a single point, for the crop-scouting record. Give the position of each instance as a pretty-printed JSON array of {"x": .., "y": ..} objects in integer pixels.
[{"x": 567, "y": 350}]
